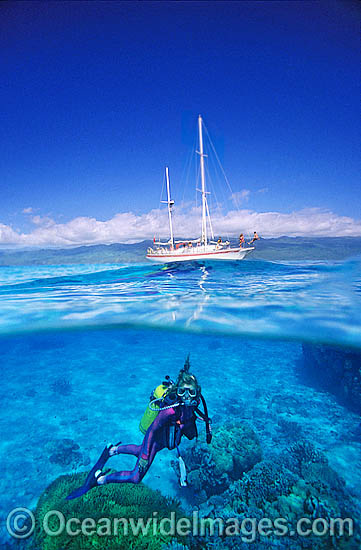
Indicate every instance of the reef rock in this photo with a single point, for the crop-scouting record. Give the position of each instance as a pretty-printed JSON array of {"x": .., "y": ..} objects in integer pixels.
[
  {"x": 335, "y": 370},
  {"x": 235, "y": 449},
  {"x": 65, "y": 453},
  {"x": 296, "y": 484}
]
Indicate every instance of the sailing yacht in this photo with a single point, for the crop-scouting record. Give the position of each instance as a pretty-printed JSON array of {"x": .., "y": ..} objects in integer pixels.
[{"x": 202, "y": 248}]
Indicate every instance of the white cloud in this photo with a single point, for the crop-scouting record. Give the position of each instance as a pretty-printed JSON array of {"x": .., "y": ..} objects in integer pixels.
[
  {"x": 129, "y": 227},
  {"x": 8, "y": 235},
  {"x": 240, "y": 197},
  {"x": 42, "y": 220},
  {"x": 28, "y": 210}
]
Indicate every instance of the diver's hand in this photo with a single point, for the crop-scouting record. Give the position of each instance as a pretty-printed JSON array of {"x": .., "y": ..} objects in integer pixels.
[{"x": 143, "y": 465}]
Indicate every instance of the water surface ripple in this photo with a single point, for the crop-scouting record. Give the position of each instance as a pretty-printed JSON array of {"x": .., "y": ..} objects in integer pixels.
[{"x": 304, "y": 301}]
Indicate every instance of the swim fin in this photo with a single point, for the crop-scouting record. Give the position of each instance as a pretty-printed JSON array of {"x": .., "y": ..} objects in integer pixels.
[{"x": 92, "y": 478}]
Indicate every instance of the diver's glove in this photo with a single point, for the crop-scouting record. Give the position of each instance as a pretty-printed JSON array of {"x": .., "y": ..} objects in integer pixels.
[
  {"x": 183, "y": 472},
  {"x": 143, "y": 465}
]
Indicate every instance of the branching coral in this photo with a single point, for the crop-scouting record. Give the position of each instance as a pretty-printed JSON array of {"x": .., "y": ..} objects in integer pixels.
[
  {"x": 61, "y": 386},
  {"x": 64, "y": 452},
  {"x": 264, "y": 483},
  {"x": 301, "y": 454}
]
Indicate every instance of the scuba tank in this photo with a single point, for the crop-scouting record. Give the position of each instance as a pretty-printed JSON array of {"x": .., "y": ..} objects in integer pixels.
[
  {"x": 152, "y": 410},
  {"x": 161, "y": 399}
]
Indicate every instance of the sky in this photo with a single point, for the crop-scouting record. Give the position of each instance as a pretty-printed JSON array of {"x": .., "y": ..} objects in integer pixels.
[{"x": 97, "y": 97}]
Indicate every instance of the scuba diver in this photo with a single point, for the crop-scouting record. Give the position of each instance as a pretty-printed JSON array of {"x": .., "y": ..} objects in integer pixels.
[{"x": 171, "y": 413}]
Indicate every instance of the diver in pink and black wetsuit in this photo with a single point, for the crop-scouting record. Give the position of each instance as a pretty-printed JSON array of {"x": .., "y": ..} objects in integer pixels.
[
  {"x": 156, "y": 438},
  {"x": 173, "y": 421}
]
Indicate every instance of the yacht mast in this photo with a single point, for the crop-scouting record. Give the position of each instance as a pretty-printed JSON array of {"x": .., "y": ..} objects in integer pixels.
[
  {"x": 204, "y": 200},
  {"x": 170, "y": 204}
]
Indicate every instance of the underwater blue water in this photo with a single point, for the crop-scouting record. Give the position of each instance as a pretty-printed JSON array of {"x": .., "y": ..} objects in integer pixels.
[{"x": 81, "y": 348}]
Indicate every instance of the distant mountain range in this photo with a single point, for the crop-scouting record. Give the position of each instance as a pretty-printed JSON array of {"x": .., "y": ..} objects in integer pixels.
[{"x": 282, "y": 248}]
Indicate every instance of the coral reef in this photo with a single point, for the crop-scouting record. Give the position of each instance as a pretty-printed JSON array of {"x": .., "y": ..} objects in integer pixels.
[
  {"x": 298, "y": 483},
  {"x": 61, "y": 386},
  {"x": 335, "y": 370},
  {"x": 235, "y": 449},
  {"x": 264, "y": 483},
  {"x": 301, "y": 455},
  {"x": 65, "y": 453},
  {"x": 109, "y": 501},
  {"x": 175, "y": 545},
  {"x": 289, "y": 429}
]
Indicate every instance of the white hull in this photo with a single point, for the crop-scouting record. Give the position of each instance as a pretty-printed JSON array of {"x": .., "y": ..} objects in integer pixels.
[{"x": 186, "y": 255}]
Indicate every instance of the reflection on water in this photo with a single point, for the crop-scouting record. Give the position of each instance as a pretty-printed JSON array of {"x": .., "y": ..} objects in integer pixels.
[{"x": 313, "y": 301}]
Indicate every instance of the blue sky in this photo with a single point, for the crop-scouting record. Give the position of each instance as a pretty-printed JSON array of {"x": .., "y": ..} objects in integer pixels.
[{"x": 96, "y": 97}]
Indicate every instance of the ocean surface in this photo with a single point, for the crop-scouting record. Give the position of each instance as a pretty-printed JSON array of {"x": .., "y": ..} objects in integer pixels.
[{"x": 82, "y": 347}]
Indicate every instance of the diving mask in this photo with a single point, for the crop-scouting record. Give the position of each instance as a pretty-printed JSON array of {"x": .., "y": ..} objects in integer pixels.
[{"x": 186, "y": 392}]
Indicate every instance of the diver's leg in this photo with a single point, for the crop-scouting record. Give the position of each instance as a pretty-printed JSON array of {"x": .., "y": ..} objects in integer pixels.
[
  {"x": 130, "y": 476},
  {"x": 125, "y": 476},
  {"x": 128, "y": 450}
]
